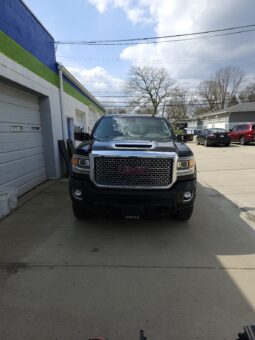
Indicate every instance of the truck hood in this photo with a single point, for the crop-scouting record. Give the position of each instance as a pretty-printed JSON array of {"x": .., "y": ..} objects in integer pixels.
[{"x": 142, "y": 145}]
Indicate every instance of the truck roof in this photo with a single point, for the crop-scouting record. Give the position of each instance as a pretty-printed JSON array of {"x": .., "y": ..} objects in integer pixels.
[{"x": 142, "y": 115}]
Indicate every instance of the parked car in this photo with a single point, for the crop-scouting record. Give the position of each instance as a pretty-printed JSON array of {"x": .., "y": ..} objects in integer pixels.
[
  {"x": 133, "y": 165},
  {"x": 243, "y": 133},
  {"x": 215, "y": 136}
]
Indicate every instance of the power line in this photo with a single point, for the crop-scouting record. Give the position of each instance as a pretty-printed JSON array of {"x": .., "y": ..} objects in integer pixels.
[
  {"x": 152, "y": 39},
  {"x": 180, "y": 61}
]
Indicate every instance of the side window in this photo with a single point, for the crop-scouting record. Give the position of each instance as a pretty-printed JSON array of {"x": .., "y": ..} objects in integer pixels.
[
  {"x": 235, "y": 128},
  {"x": 243, "y": 127}
]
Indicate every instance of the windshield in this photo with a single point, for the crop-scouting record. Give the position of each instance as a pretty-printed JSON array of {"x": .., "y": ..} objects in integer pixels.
[{"x": 146, "y": 128}]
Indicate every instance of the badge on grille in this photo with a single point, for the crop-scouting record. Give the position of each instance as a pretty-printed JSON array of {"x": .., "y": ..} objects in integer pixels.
[{"x": 131, "y": 170}]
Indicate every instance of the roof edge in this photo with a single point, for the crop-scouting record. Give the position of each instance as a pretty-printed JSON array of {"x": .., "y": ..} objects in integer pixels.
[{"x": 79, "y": 85}]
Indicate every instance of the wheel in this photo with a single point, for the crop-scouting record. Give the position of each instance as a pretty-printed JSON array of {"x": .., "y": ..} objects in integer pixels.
[
  {"x": 227, "y": 144},
  {"x": 80, "y": 213},
  {"x": 242, "y": 141},
  {"x": 206, "y": 143},
  {"x": 184, "y": 214}
]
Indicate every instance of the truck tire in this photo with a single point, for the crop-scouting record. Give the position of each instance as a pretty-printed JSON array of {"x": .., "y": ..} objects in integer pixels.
[
  {"x": 80, "y": 213},
  {"x": 184, "y": 214}
]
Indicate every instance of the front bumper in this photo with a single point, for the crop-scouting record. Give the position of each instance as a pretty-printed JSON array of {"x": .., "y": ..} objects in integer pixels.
[{"x": 132, "y": 202}]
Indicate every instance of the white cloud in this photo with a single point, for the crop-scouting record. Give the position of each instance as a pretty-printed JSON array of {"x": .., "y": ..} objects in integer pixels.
[
  {"x": 195, "y": 59},
  {"x": 135, "y": 13},
  {"x": 98, "y": 82}
]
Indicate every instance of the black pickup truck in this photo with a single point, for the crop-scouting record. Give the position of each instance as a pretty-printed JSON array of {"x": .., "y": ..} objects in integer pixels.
[{"x": 134, "y": 166}]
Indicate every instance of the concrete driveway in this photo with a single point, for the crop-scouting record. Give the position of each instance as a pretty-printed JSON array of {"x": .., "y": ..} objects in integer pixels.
[
  {"x": 230, "y": 171},
  {"x": 64, "y": 279}
]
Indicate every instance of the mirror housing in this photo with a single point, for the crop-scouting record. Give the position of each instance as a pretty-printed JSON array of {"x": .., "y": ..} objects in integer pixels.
[
  {"x": 181, "y": 138},
  {"x": 82, "y": 136}
]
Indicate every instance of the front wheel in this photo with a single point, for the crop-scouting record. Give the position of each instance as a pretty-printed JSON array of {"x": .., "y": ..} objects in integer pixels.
[
  {"x": 184, "y": 214},
  {"x": 80, "y": 213},
  {"x": 227, "y": 144}
]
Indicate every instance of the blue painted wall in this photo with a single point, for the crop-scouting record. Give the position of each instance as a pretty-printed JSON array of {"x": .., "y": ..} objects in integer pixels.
[{"x": 19, "y": 23}]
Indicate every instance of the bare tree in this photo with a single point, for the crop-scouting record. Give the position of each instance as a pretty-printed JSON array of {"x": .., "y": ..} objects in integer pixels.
[
  {"x": 208, "y": 90},
  {"x": 149, "y": 88},
  {"x": 178, "y": 105},
  {"x": 248, "y": 93},
  {"x": 221, "y": 90}
]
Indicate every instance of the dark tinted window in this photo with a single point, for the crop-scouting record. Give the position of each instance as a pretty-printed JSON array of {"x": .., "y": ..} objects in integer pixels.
[
  {"x": 243, "y": 127},
  {"x": 253, "y": 127},
  {"x": 147, "y": 128}
]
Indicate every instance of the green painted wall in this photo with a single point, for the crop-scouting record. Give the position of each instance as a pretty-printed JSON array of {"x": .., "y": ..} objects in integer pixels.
[{"x": 18, "y": 54}]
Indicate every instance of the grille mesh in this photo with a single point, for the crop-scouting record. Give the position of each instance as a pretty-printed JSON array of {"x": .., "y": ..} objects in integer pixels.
[{"x": 130, "y": 172}]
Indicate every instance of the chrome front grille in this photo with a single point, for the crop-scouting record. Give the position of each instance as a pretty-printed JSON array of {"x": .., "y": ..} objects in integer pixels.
[{"x": 133, "y": 172}]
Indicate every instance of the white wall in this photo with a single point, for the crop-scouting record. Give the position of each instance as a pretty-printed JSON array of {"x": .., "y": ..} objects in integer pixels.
[{"x": 50, "y": 109}]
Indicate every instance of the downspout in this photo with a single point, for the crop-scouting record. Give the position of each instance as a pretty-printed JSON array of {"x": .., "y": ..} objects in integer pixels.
[{"x": 61, "y": 99}]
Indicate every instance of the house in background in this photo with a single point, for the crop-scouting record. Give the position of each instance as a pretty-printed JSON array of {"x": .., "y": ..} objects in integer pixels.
[
  {"x": 229, "y": 117},
  {"x": 41, "y": 102}
]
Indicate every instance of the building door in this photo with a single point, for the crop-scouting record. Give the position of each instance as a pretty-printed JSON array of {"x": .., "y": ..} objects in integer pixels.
[{"x": 22, "y": 161}]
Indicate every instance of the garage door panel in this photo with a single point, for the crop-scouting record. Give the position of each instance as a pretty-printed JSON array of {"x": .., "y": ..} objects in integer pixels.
[
  {"x": 18, "y": 114},
  {"x": 28, "y": 182},
  {"x": 22, "y": 98},
  {"x": 19, "y": 127},
  {"x": 22, "y": 161},
  {"x": 16, "y": 141},
  {"x": 8, "y": 171},
  {"x": 20, "y": 154}
]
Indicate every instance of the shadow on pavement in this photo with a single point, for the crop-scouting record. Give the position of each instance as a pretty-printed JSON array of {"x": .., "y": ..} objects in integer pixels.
[{"x": 67, "y": 279}]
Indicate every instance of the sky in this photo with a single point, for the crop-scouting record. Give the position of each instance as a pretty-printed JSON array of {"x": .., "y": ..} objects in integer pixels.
[{"x": 102, "y": 69}]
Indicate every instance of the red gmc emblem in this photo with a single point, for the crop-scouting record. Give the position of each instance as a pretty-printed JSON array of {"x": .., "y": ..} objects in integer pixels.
[{"x": 131, "y": 170}]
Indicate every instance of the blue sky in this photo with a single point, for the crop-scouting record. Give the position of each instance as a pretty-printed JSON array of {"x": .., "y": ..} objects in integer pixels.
[
  {"x": 188, "y": 62},
  {"x": 80, "y": 20}
]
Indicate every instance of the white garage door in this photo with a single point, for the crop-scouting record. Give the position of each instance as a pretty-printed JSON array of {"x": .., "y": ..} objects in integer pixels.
[
  {"x": 220, "y": 125},
  {"x": 22, "y": 163}
]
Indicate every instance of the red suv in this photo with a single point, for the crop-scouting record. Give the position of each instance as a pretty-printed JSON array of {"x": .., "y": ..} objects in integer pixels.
[{"x": 243, "y": 133}]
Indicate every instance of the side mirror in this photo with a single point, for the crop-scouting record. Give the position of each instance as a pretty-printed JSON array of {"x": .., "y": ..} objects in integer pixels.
[
  {"x": 82, "y": 136},
  {"x": 181, "y": 138},
  {"x": 230, "y": 130}
]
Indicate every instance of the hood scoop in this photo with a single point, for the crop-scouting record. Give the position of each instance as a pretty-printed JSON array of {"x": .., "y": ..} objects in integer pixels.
[{"x": 135, "y": 145}]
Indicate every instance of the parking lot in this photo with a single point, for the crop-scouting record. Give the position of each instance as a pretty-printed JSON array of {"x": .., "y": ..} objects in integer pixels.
[{"x": 65, "y": 279}]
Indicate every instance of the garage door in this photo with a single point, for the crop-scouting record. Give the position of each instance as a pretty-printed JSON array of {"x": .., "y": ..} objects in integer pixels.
[
  {"x": 220, "y": 125},
  {"x": 22, "y": 163}
]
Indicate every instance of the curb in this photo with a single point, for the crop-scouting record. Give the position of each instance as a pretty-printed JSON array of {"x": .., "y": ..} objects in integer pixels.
[{"x": 250, "y": 215}]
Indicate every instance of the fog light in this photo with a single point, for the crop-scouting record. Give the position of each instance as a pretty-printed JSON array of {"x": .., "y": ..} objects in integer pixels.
[
  {"x": 187, "y": 196},
  {"x": 77, "y": 194}
]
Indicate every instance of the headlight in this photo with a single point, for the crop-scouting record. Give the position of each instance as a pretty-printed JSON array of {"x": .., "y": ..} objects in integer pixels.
[
  {"x": 80, "y": 164},
  {"x": 186, "y": 166}
]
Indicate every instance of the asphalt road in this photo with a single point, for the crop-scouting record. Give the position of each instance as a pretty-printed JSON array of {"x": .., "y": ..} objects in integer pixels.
[{"x": 63, "y": 279}]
